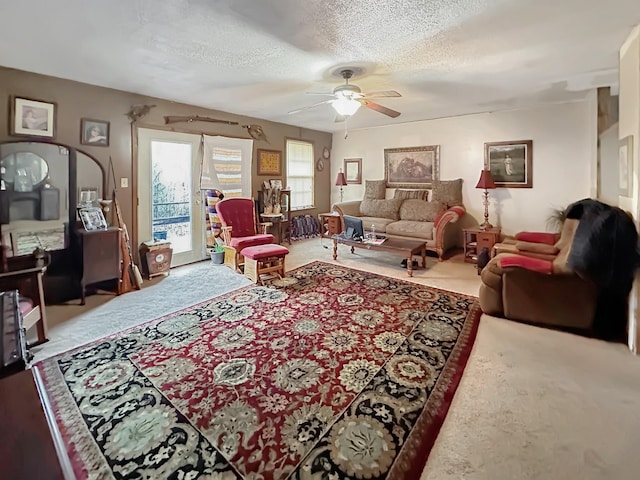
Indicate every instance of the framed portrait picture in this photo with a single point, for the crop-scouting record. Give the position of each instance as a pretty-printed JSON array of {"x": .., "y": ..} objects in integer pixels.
[
  {"x": 510, "y": 163},
  {"x": 94, "y": 132},
  {"x": 33, "y": 118},
  {"x": 353, "y": 170},
  {"x": 269, "y": 162},
  {"x": 625, "y": 165},
  {"x": 411, "y": 166},
  {"x": 92, "y": 218}
]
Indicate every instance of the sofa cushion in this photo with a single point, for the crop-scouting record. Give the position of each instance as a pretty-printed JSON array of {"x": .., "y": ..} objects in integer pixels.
[
  {"x": 448, "y": 192},
  {"x": 412, "y": 229},
  {"x": 537, "y": 248},
  {"x": 420, "y": 211},
  {"x": 407, "y": 194},
  {"x": 381, "y": 208},
  {"x": 538, "y": 237},
  {"x": 378, "y": 222},
  {"x": 530, "y": 263},
  {"x": 376, "y": 189}
]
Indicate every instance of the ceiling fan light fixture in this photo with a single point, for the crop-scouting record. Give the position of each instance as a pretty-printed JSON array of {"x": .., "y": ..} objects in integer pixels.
[{"x": 346, "y": 106}]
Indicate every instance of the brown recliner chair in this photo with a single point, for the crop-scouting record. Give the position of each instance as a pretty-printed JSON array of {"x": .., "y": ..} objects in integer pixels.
[
  {"x": 586, "y": 285},
  {"x": 539, "y": 291}
]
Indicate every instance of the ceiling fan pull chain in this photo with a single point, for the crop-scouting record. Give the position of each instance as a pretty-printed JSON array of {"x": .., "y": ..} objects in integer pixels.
[{"x": 346, "y": 133}]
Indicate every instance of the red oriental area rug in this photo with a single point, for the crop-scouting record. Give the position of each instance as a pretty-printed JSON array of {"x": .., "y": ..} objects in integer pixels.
[{"x": 330, "y": 373}]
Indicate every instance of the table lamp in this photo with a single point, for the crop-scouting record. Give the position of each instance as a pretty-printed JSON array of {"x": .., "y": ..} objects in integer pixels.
[
  {"x": 341, "y": 181},
  {"x": 486, "y": 182}
]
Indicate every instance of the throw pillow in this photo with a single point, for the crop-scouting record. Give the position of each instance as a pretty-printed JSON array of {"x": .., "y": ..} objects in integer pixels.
[
  {"x": 420, "y": 211},
  {"x": 448, "y": 192},
  {"x": 406, "y": 194},
  {"x": 371, "y": 207},
  {"x": 375, "y": 189}
]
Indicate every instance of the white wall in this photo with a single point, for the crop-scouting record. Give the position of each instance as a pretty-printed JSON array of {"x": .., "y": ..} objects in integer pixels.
[
  {"x": 563, "y": 152},
  {"x": 609, "y": 181},
  {"x": 629, "y": 124}
]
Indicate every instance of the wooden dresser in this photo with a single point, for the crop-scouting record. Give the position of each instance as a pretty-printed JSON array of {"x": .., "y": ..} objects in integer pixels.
[{"x": 99, "y": 257}]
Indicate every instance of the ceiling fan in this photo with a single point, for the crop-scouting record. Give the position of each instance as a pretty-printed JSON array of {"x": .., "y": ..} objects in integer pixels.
[{"x": 348, "y": 98}]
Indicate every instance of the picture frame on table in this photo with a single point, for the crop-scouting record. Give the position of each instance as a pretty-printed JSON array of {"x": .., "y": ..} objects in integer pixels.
[
  {"x": 92, "y": 218},
  {"x": 94, "y": 132},
  {"x": 269, "y": 162},
  {"x": 353, "y": 170},
  {"x": 276, "y": 183},
  {"x": 32, "y": 118},
  {"x": 625, "y": 165},
  {"x": 410, "y": 167},
  {"x": 510, "y": 163}
]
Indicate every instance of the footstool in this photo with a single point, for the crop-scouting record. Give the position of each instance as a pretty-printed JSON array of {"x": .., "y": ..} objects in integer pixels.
[{"x": 264, "y": 259}]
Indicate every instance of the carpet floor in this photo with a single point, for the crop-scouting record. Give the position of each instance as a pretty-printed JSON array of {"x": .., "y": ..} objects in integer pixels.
[
  {"x": 533, "y": 403},
  {"x": 327, "y": 373}
]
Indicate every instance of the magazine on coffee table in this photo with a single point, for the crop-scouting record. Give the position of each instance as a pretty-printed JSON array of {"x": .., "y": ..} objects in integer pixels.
[{"x": 374, "y": 241}]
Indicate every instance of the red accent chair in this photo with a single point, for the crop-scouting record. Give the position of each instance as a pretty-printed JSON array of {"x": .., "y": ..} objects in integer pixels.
[{"x": 240, "y": 229}]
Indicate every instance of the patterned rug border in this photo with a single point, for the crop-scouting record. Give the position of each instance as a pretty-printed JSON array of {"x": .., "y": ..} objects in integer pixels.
[{"x": 418, "y": 447}]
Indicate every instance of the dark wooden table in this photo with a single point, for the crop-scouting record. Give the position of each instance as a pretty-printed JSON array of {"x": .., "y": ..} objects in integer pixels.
[
  {"x": 27, "y": 450},
  {"x": 407, "y": 248}
]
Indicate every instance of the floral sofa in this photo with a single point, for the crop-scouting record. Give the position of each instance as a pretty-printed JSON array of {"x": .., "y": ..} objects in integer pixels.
[{"x": 411, "y": 215}]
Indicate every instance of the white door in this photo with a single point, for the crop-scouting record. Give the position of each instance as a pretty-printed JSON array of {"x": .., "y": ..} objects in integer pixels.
[{"x": 170, "y": 200}]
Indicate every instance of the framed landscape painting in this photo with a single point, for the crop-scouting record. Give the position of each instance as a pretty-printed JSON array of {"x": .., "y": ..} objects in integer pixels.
[
  {"x": 411, "y": 166},
  {"x": 510, "y": 163}
]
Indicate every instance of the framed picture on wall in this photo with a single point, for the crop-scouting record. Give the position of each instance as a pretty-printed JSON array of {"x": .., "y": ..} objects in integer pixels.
[
  {"x": 33, "y": 118},
  {"x": 269, "y": 162},
  {"x": 411, "y": 166},
  {"x": 625, "y": 165},
  {"x": 94, "y": 132},
  {"x": 353, "y": 170},
  {"x": 510, "y": 163}
]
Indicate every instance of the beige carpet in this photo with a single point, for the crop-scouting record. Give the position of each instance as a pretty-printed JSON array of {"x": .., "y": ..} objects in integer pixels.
[{"x": 532, "y": 404}]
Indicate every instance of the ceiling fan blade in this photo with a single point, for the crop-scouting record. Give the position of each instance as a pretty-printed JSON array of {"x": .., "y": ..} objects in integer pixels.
[
  {"x": 382, "y": 93},
  {"x": 340, "y": 118},
  {"x": 310, "y": 106},
  {"x": 380, "y": 108}
]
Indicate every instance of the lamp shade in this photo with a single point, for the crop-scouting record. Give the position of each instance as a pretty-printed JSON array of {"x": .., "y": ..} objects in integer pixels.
[
  {"x": 341, "y": 180},
  {"x": 346, "y": 106},
  {"x": 486, "y": 180}
]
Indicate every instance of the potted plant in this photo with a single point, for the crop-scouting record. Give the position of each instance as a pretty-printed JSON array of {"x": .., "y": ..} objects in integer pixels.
[{"x": 217, "y": 254}]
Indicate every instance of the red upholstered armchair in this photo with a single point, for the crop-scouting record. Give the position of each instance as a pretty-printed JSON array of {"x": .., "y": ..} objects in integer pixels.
[{"x": 240, "y": 229}]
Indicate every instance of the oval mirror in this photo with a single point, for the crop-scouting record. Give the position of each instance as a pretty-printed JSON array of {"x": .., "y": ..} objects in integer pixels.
[{"x": 23, "y": 164}]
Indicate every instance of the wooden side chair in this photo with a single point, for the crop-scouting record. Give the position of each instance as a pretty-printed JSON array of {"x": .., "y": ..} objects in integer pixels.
[
  {"x": 25, "y": 274},
  {"x": 240, "y": 229}
]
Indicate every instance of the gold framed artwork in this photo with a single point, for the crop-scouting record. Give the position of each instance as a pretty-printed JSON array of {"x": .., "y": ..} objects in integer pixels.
[
  {"x": 411, "y": 167},
  {"x": 353, "y": 170},
  {"x": 269, "y": 162}
]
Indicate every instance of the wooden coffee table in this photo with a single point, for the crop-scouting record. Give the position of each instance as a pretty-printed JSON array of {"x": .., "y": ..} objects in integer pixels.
[{"x": 407, "y": 248}]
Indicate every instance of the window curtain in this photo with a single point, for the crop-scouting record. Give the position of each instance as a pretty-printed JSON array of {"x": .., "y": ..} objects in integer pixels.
[{"x": 226, "y": 165}]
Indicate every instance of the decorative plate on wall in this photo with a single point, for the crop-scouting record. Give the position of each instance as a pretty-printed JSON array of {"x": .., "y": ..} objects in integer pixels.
[{"x": 320, "y": 164}]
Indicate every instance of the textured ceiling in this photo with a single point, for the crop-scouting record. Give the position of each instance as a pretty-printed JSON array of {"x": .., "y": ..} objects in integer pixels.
[{"x": 259, "y": 57}]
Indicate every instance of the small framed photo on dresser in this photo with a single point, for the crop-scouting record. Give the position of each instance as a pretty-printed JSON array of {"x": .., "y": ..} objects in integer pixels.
[{"x": 92, "y": 218}]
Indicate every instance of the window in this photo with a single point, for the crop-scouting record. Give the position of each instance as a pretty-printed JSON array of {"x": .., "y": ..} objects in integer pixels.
[{"x": 300, "y": 173}]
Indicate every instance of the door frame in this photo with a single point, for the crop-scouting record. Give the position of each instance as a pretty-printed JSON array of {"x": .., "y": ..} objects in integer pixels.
[{"x": 136, "y": 182}]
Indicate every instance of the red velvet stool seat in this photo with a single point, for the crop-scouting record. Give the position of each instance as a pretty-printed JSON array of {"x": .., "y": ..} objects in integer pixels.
[{"x": 264, "y": 259}]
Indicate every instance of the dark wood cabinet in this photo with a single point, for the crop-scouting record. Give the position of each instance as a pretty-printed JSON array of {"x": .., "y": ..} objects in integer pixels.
[{"x": 99, "y": 257}]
